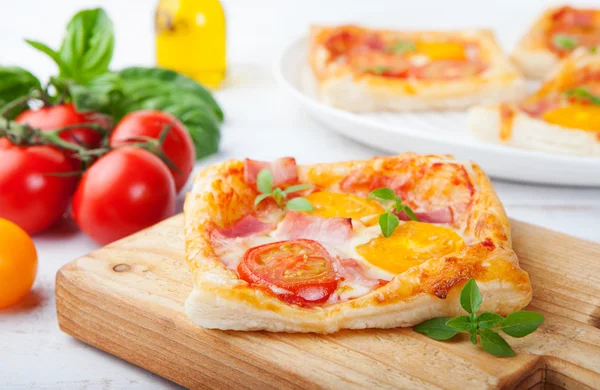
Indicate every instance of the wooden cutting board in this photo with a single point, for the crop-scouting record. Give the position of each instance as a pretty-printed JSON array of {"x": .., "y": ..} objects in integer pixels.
[{"x": 127, "y": 299}]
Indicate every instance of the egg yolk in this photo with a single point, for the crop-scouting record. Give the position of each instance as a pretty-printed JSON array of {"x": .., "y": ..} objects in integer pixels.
[
  {"x": 442, "y": 50},
  {"x": 576, "y": 116},
  {"x": 411, "y": 244},
  {"x": 332, "y": 204}
]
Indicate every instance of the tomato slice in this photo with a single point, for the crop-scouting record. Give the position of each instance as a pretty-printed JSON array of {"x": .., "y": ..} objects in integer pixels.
[
  {"x": 297, "y": 271},
  {"x": 448, "y": 70}
]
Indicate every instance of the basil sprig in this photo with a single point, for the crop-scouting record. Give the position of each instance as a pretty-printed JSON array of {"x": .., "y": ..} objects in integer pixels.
[
  {"x": 485, "y": 325},
  {"x": 389, "y": 221},
  {"x": 564, "y": 42},
  {"x": 264, "y": 184},
  {"x": 582, "y": 93},
  {"x": 400, "y": 47}
]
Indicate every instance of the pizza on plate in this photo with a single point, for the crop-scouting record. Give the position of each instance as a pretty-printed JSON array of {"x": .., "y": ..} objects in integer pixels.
[
  {"x": 563, "y": 116},
  {"x": 554, "y": 36},
  {"x": 365, "y": 70},
  {"x": 285, "y": 248}
]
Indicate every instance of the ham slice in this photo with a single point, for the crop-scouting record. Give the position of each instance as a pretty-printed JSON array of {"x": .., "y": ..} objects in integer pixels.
[
  {"x": 352, "y": 271},
  {"x": 245, "y": 227},
  {"x": 572, "y": 17},
  {"x": 442, "y": 215},
  {"x": 299, "y": 225},
  {"x": 283, "y": 169}
]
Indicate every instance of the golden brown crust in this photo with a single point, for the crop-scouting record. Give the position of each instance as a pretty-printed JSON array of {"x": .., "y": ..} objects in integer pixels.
[{"x": 221, "y": 196}]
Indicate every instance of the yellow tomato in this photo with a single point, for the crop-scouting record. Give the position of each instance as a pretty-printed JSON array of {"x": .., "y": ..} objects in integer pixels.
[
  {"x": 442, "y": 50},
  {"x": 575, "y": 116},
  {"x": 18, "y": 263}
]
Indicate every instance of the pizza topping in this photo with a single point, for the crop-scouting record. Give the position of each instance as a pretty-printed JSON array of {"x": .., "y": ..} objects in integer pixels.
[
  {"x": 333, "y": 204},
  {"x": 411, "y": 244},
  {"x": 351, "y": 270},
  {"x": 576, "y": 116},
  {"x": 573, "y": 17},
  {"x": 448, "y": 70},
  {"x": 264, "y": 184},
  {"x": 401, "y": 47},
  {"x": 283, "y": 170},
  {"x": 442, "y": 215},
  {"x": 298, "y": 272},
  {"x": 246, "y": 226},
  {"x": 455, "y": 51},
  {"x": 299, "y": 225},
  {"x": 583, "y": 95},
  {"x": 564, "y": 42},
  {"x": 388, "y": 221}
]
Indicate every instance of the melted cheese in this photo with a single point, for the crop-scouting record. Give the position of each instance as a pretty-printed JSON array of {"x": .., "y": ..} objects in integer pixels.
[{"x": 575, "y": 116}]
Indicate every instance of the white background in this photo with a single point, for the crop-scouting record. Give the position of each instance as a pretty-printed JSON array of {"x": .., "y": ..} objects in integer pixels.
[{"x": 262, "y": 122}]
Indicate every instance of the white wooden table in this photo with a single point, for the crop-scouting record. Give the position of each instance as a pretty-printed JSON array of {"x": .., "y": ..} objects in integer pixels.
[{"x": 261, "y": 122}]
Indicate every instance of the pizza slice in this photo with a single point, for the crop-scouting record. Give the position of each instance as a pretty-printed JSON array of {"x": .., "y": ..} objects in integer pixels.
[
  {"x": 554, "y": 36},
  {"x": 286, "y": 248},
  {"x": 563, "y": 116},
  {"x": 365, "y": 70}
]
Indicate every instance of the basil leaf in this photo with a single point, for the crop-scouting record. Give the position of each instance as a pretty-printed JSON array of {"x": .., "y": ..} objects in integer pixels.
[
  {"x": 487, "y": 320},
  {"x": 470, "y": 297},
  {"x": 88, "y": 45},
  {"x": 48, "y": 51},
  {"x": 379, "y": 69},
  {"x": 436, "y": 329},
  {"x": 400, "y": 47},
  {"x": 388, "y": 223},
  {"x": 15, "y": 82},
  {"x": 521, "y": 323},
  {"x": 137, "y": 78},
  {"x": 409, "y": 212},
  {"x": 493, "y": 343},
  {"x": 260, "y": 198},
  {"x": 383, "y": 193},
  {"x": 564, "y": 42},
  {"x": 461, "y": 323},
  {"x": 299, "y": 204},
  {"x": 297, "y": 187},
  {"x": 264, "y": 181},
  {"x": 102, "y": 93},
  {"x": 584, "y": 94}
]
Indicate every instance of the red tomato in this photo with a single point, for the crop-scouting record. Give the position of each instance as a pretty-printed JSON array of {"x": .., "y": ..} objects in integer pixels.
[
  {"x": 448, "y": 70},
  {"x": 301, "y": 267},
  {"x": 55, "y": 117},
  {"x": 178, "y": 146},
  {"x": 123, "y": 192},
  {"x": 30, "y": 196}
]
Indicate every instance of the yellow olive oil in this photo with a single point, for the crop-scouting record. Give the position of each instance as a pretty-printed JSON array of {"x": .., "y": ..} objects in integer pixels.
[{"x": 191, "y": 39}]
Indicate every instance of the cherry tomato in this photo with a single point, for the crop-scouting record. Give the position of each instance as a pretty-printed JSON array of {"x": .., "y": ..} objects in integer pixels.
[
  {"x": 18, "y": 263},
  {"x": 302, "y": 268},
  {"x": 123, "y": 192},
  {"x": 178, "y": 146},
  {"x": 30, "y": 194},
  {"x": 55, "y": 117}
]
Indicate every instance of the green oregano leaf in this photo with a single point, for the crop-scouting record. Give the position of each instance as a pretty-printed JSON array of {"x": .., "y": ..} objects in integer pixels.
[
  {"x": 470, "y": 297},
  {"x": 521, "y": 323},
  {"x": 388, "y": 223},
  {"x": 493, "y": 343},
  {"x": 461, "y": 323},
  {"x": 437, "y": 329},
  {"x": 299, "y": 204},
  {"x": 264, "y": 181},
  {"x": 487, "y": 320}
]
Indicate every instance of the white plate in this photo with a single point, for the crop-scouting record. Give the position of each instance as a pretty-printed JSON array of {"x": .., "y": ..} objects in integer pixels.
[{"x": 431, "y": 132}]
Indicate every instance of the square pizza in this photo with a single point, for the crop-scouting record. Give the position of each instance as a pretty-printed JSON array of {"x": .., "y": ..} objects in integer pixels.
[
  {"x": 555, "y": 35},
  {"x": 563, "y": 116},
  {"x": 285, "y": 248},
  {"x": 365, "y": 70}
]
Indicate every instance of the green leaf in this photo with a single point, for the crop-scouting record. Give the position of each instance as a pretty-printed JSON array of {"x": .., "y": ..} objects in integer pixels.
[
  {"x": 408, "y": 212},
  {"x": 379, "y": 69},
  {"x": 564, "y": 41},
  {"x": 436, "y": 329},
  {"x": 461, "y": 323},
  {"x": 260, "y": 198},
  {"x": 493, "y": 343},
  {"x": 521, "y": 323},
  {"x": 15, "y": 83},
  {"x": 48, "y": 51},
  {"x": 264, "y": 181},
  {"x": 583, "y": 93},
  {"x": 383, "y": 193},
  {"x": 88, "y": 45},
  {"x": 299, "y": 204},
  {"x": 297, "y": 187},
  {"x": 400, "y": 47},
  {"x": 388, "y": 223},
  {"x": 487, "y": 320},
  {"x": 102, "y": 93},
  {"x": 470, "y": 297},
  {"x": 278, "y": 195}
]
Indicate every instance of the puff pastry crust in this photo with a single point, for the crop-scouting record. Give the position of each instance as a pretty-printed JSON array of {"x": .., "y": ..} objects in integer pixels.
[
  {"x": 344, "y": 86},
  {"x": 525, "y": 125},
  {"x": 221, "y": 300}
]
